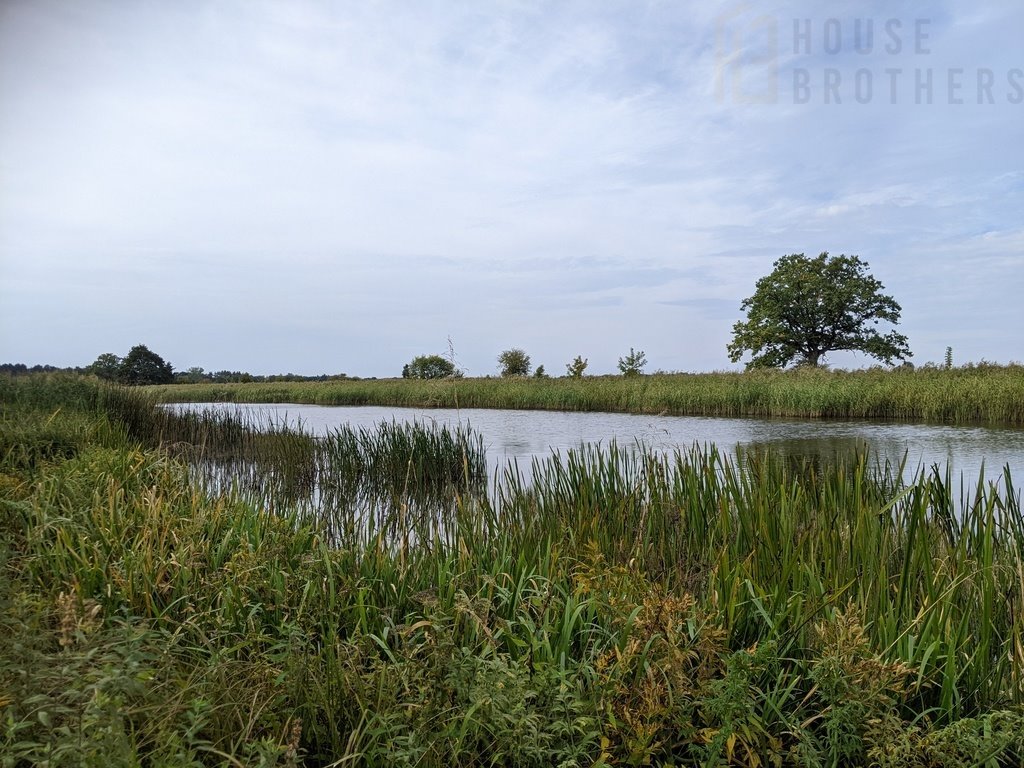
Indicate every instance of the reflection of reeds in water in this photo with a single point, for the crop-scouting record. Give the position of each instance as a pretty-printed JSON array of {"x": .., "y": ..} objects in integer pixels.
[{"x": 810, "y": 460}]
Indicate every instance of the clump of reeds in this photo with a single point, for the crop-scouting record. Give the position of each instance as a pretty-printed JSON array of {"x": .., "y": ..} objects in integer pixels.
[{"x": 265, "y": 454}]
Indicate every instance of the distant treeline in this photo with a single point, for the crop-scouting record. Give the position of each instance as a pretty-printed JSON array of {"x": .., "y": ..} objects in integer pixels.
[
  {"x": 20, "y": 369},
  {"x": 198, "y": 376},
  {"x": 191, "y": 376}
]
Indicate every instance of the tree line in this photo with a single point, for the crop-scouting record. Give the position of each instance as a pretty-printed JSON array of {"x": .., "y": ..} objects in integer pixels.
[
  {"x": 514, "y": 362},
  {"x": 801, "y": 311},
  {"x": 142, "y": 366}
]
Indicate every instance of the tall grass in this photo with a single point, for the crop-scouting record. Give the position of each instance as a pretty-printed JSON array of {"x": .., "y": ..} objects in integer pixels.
[
  {"x": 348, "y": 478},
  {"x": 622, "y": 607},
  {"x": 978, "y": 394}
]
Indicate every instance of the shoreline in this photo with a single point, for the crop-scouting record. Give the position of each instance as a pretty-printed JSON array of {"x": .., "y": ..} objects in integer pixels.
[{"x": 981, "y": 395}]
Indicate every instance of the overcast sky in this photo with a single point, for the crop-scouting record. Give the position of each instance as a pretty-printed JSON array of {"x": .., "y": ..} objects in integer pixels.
[{"x": 339, "y": 186}]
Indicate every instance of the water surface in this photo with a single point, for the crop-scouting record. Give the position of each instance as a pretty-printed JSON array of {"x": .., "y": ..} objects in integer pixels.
[{"x": 526, "y": 435}]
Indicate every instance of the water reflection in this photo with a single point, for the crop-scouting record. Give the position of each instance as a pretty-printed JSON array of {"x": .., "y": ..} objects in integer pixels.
[
  {"x": 805, "y": 453},
  {"x": 395, "y": 479}
]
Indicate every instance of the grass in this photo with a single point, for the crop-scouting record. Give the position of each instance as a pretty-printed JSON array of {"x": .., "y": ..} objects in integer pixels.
[
  {"x": 971, "y": 394},
  {"x": 621, "y": 608}
]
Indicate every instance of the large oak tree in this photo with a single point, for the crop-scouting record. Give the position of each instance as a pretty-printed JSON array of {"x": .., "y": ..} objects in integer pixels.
[{"x": 808, "y": 307}]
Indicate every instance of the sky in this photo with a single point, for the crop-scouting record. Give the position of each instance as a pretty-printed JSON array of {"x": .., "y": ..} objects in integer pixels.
[{"x": 328, "y": 187}]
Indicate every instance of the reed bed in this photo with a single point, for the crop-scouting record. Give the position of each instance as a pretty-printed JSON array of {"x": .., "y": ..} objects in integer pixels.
[
  {"x": 349, "y": 476},
  {"x": 622, "y": 607},
  {"x": 972, "y": 394}
]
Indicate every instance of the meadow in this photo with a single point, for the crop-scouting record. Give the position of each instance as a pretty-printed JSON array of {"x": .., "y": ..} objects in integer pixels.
[
  {"x": 182, "y": 590},
  {"x": 984, "y": 393}
]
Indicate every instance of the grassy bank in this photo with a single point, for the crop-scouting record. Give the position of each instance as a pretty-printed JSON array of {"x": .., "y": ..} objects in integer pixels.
[
  {"x": 621, "y": 609},
  {"x": 979, "y": 394}
]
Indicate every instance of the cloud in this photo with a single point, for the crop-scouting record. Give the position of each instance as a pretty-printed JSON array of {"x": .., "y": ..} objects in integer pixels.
[
  {"x": 712, "y": 309},
  {"x": 311, "y": 182}
]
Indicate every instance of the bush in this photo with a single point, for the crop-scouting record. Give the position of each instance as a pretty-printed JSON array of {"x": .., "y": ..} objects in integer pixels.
[
  {"x": 633, "y": 363},
  {"x": 514, "y": 362},
  {"x": 429, "y": 367},
  {"x": 576, "y": 368}
]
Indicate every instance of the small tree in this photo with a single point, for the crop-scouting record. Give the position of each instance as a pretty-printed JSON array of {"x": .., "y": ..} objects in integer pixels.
[
  {"x": 429, "y": 367},
  {"x": 576, "y": 368},
  {"x": 540, "y": 373},
  {"x": 808, "y": 307},
  {"x": 514, "y": 362},
  {"x": 143, "y": 366},
  {"x": 193, "y": 375},
  {"x": 633, "y": 363},
  {"x": 107, "y": 366}
]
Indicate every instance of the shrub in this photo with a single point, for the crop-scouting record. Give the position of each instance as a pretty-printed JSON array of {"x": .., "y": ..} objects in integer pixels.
[
  {"x": 429, "y": 367},
  {"x": 633, "y": 363},
  {"x": 514, "y": 362},
  {"x": 576, "y": 368}
]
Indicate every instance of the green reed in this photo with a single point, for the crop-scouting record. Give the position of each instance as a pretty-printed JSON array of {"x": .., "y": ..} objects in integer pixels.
[{"x": 974, "y": 394}]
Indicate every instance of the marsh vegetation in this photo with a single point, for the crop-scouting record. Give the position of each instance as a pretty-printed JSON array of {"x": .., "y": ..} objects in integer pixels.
[
  {"x": 184, "y": 590},
  {"x": 987, "y": 394}
]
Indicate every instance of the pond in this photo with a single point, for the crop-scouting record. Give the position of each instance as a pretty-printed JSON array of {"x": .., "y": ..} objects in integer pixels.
[{"x": 525, "y": 435}]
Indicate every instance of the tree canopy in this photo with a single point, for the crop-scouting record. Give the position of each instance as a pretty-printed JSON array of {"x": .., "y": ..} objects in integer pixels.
[
  {"x": 514, "y": 362},
  {"x": 429, "y": 367},
  {"x": 808, "y": 307},
  {"x": 107, "y": 366},
  {"x": 143, "y": 366},
  {"x": 633, "y": 363},
  {"x": 576, "y": 368}
]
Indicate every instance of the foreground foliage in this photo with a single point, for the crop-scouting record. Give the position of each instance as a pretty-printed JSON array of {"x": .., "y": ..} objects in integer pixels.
[
  {"x": 621, "y": 608},
  {"x": 984, "y": 393}
]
